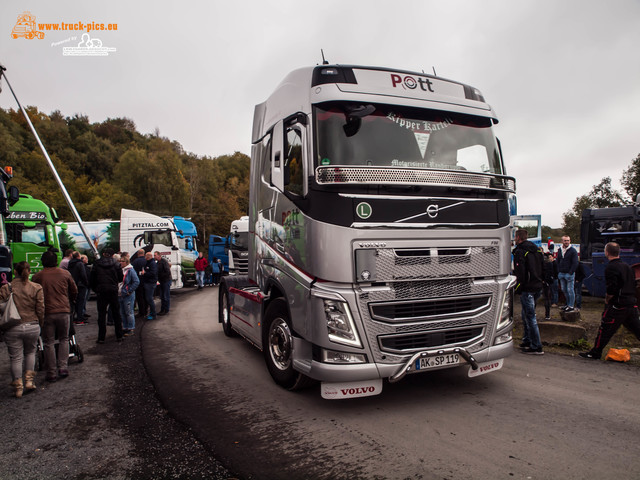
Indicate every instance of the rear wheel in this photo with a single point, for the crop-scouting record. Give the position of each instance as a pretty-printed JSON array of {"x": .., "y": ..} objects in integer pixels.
[
  {"x": 277, "y": 347},
  {"x": 224, "y": 312},
  {"x": 79, "y": 354}
]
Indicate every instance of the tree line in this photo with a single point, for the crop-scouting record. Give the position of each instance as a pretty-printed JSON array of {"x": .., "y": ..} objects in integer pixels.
[
  {"x": 603, "y": 195},
  {"x": 109, "y": 165}
]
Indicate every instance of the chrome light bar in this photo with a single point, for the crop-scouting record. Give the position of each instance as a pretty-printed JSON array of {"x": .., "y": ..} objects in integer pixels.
[{"x": 408, "y": 176}]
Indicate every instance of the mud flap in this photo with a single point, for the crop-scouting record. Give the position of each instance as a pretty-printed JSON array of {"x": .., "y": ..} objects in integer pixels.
[
  {"x": 486, "y": 367},
  {"x": 338, "y": 391}
]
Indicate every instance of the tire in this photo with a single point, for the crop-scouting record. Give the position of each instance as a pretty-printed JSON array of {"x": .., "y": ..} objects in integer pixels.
[
  {"x": 277, "y": 347},
  {"x": 39, "y": 366},
  {"x": 224, "y": 313},
  {"x": 79, "y": 354}
]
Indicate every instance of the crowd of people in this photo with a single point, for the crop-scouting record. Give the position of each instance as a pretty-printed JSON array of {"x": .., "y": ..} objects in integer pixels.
[
  {"x": 539, "y": 273},
  {"x": 56, "y": 297}
]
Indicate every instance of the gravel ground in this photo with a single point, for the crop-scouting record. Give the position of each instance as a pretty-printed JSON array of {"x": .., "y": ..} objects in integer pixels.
[{"x": 102, "y": 422}]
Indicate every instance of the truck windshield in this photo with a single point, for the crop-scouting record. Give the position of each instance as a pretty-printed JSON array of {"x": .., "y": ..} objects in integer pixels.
[
  {"x": 350, "y": 134},
  {"x": 20, "y": 234},
  {"x": 159, "y": 237},
  {"x": 240, "y": 240}
]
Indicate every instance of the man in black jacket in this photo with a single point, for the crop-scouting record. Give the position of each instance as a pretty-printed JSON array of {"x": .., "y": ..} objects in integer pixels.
[
  {"x": 620, "y": 303},
  {"x": 138, "y": 262},
  {"x": 149, "y": 279},
  {"x": 79, "y": 273},
  {"x": 164, "y": 278},
  {"x": 106, "y": 274},
  {"x": 528, "y": 267}
]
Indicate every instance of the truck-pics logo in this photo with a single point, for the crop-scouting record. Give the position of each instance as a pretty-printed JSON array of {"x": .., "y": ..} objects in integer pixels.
[{"x": 26, "y": 27}]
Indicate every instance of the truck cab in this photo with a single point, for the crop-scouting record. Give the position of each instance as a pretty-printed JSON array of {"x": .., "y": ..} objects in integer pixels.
[
  {"x": 379, "y": 231},
  {"x": 239, "y": 247},
  {"x": 31, "y": 231},
  {"x": 187, "y": 236}
]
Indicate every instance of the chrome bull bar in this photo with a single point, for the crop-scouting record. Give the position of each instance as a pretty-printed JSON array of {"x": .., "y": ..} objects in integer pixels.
[{"x": 406, "y": 368}]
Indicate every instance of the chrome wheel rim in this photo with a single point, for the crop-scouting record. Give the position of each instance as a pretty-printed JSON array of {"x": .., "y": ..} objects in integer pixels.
[
  {"x": 280, "y": 344},
  {"x": 225, "y": 310}
]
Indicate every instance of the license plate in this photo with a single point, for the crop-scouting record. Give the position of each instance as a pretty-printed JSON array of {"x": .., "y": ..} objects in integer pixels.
[{"x": 426, "y": 363}]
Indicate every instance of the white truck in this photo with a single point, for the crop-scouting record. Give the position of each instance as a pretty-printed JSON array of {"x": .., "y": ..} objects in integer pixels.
[
  {"x": 379, "y": 231},
  {"x": 239, "y": 247},
  {"x": 134, "y": 230}
]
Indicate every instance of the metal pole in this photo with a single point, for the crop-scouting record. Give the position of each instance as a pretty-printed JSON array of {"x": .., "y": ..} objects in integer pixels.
[{"x": 51, "y": 166}]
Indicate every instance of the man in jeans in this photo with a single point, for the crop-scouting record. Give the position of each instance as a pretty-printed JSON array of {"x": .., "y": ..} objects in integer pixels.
[
  {"x": 200, "y": 264},
  {"x": 529, "y": 268},
  {"x": 59, "y": 291},
  {"x": 567, "y": 265}
]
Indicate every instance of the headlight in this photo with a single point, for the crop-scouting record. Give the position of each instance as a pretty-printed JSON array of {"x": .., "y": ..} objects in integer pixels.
[
  {"x": 506, "y": 314},
  {"x": 503, "y": 338},
  {"x": 340, "y": 323},
  {"x": 330, "y": 356}
]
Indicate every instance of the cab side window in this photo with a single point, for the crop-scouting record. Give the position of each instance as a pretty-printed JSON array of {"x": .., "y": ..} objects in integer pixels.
[{"x": 293, "y": 161}]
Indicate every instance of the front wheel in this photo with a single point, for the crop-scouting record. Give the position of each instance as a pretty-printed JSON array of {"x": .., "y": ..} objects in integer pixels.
[
  {"x": 277, "y": 346},
  {"x": 224, "y": 312}
]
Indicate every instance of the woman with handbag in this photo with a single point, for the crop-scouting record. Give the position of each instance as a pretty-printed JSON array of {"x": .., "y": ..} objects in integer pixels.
[{"x": 21, "y": 336}]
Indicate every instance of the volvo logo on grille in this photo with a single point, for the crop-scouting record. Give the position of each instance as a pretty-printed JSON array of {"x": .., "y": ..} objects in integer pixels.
[
  {"x": 432, "y": 211},
  {"x": 372, "y": 244}
]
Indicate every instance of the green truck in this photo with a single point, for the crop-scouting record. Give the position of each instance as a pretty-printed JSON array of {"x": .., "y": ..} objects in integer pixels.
[{"x": 31, "y": 230}]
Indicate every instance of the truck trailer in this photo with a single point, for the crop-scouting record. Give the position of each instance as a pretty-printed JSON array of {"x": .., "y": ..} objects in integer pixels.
[
  {"x": 134, "y": 231},
  {"x": 379, "y": 231}
]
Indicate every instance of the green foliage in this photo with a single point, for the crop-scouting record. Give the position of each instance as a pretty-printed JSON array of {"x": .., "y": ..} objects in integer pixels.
[
  {"x": 631, "y": 179},
  {"x": 580, "y": 344},
  {"x": 555, "y": 234},
  {"x": 110, "y": 165},
  {"x": 602, "y": 195}
]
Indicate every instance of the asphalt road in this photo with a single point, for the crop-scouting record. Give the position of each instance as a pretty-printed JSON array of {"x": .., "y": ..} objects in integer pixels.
[
  {"x": 181, "y": 400},
  {"x": 539, "y": 417}
]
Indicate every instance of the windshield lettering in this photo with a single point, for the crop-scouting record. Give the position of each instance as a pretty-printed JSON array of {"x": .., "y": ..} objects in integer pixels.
[{"x": 393, "y": 136}]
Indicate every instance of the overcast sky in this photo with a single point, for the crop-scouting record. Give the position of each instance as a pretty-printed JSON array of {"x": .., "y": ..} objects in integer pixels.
[{"x": 563, "y": 76}]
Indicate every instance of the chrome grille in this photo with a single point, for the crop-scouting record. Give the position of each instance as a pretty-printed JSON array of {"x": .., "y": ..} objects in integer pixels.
[
  {"x": 430, "y": 309},
  {"x": 434, "y": 339},
  {"x": 400, "y": 316},
  {"x": 394, "y": 265},
  {"x": 393, "y": 176}
]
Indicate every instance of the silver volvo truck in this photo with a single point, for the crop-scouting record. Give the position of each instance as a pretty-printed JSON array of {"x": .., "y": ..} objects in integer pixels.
[{"x": 379, "y": 237}]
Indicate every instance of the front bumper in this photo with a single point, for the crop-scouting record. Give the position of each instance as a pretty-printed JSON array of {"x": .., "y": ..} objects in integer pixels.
[{"x": 326, "y": 372}]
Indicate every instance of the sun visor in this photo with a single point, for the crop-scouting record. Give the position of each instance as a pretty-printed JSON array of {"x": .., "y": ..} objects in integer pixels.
[{"x": 414, "y": 86}]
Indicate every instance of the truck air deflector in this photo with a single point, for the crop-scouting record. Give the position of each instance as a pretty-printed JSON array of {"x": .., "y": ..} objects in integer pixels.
[{"x": 406, "y": 176}]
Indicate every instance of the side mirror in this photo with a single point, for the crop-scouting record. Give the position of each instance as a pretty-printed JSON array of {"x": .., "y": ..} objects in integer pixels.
[
  {"x": 63, "y": 226},
  {"x": 14, "y": 195}
]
